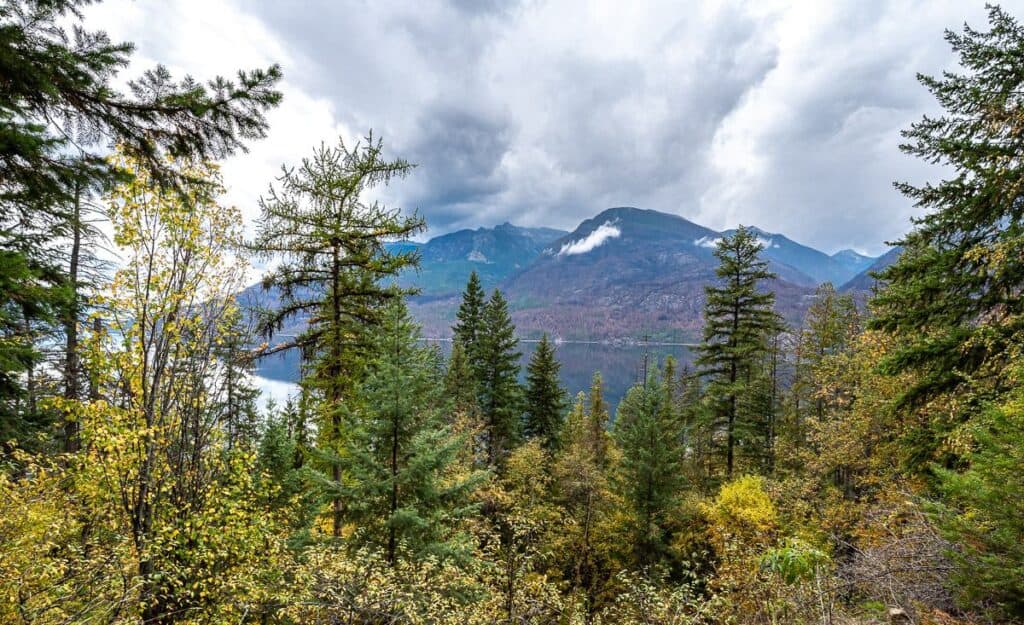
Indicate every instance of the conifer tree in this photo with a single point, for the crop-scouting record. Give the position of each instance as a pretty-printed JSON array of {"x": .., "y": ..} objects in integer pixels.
[
  {"x": 468, "y": 328},
  {"x": 403, "y": 494},
  {"x": 59, "y": 113},
  {"x": 332, "y": 274},
  {"x": 830, "y": 326},
  {"x": 583, "y": 491},
  {"x": 953, "y": 298},
  {"x": 545, "y": 397},
  {"x": 500, "y": 396},
  {"x": 597, "y": 421},
  {"x": 458, "y": 381},
  {"x": 649, "y": 438},
  {"x": 738, "y": 320}
]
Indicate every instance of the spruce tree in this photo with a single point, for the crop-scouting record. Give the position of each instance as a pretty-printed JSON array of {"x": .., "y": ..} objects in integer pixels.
[
  {"x": 545, "y": 397},
  {"x": 333, "y": 274},
  {"x": 403, "y": 498},
  {"x": 499, "y": 393},
  {"x": 953, "y": 300},
  {"x": 650, "y": 440},
  {"x": 468, "y": 327},
  {"x": 738, "y": 320}
]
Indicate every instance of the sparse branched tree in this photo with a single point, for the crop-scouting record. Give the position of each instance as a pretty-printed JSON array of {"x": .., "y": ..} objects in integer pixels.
[
  {"x": 59, "y": 113},
  {"x": 331, "y": 280},
  {"x": 738, "y": 321}
]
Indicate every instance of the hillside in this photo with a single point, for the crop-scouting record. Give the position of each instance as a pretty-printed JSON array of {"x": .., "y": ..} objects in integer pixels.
[
  {"x": 628, "y": 272},
  {"x": 622, "y": 274},
  {"x": 864, "y": 282}
]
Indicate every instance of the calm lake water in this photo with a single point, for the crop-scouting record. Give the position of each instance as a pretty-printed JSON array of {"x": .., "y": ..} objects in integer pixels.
[{"x": 621, "y": 366}]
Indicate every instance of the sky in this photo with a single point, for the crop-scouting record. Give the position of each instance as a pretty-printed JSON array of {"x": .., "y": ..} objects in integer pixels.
[{"x": 781, "y": 115}]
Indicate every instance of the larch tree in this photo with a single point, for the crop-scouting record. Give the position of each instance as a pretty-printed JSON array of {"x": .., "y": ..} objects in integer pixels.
[
  {"x": 583, "y": 491},
  {"x": 738, "y": 321},
  {"x": 545, "y": 397},
  {"x": 332, "y": 281}
]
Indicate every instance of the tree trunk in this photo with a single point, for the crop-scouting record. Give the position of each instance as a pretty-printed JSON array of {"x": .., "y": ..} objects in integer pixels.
[{"x": 71, "y": 361}]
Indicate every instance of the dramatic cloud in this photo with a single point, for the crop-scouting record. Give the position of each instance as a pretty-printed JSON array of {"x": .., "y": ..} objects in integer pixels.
[
  {"x": 784, "y": 115},
  {"x": 602, "y": 233}
]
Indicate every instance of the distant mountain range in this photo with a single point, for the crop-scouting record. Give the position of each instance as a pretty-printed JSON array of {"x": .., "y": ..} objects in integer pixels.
[
  {"x": 494, "y": 253},
  {"x": 622, "y": 274}
]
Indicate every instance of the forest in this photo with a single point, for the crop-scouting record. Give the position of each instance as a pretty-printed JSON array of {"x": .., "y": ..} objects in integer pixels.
[{"x": 862, "y": 467}]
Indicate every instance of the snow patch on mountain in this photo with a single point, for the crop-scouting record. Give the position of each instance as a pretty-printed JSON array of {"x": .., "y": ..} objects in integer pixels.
[
  {"x": 707, "y": 242},
  {"x": 604, "y": 232}
]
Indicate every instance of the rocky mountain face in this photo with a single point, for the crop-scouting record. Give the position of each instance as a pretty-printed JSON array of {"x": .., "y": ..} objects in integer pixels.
[
  {"x": 865, "y": 281},
  {"x": 624, "y": 274},
  {"x": 629, "y": 272},
  {"x": 494, "y": 253}
]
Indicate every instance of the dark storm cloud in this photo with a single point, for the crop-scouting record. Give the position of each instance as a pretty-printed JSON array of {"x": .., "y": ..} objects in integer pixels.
[
  {"x": 458, "y": 155},
  {"x": 785, "y": 115}
]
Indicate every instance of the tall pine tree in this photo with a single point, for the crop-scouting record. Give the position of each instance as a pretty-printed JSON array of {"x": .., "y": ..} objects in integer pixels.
[
  {"x": 738, "y": 320},
  {"x": 500, "y": 396},
  {"x": 403, "y": 494},
  {"x": 545, "y": 397},
  {"x": 953, "y": 299},
  {"x": 332, "y": 275}
]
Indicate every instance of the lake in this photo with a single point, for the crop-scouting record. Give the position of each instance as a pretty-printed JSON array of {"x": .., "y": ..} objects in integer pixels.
[{"x": 620, "y": 364}]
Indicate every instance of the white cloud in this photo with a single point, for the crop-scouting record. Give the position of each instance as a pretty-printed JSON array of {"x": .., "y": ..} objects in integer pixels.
[
  {"x": 708, "y": 242},
  {"x": 607, "y": 230}
]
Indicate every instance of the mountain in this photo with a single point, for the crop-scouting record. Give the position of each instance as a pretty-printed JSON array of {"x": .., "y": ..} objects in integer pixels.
[
  {"x": 629, "y": 272},
  {"x": 622, "y": 274},
  {"x": 853, "y": 262},
  {"x": 816, "y": 267},
  {"x": 494, "y": 253},
  {"x": 864, "y": 282}
]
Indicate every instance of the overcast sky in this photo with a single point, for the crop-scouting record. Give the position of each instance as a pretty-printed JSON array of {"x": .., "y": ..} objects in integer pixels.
[{"x": 783, "y": 115}]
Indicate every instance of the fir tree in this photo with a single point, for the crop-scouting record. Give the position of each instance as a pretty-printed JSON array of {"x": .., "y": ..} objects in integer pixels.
[
  {"x": 468, "y": 329},
  {"x": 401, "y": 490},
  {"x": 333, "y": 273},
  {"x": 500, "y": 396},
  {"x": 649, "y": 438},
  {"x": 953, "y": 299},
  {"x": 738, "y": 320},
  {"x": 545, "y": 397}
]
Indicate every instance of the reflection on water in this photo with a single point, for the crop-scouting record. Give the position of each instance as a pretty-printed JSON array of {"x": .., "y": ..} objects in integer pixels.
[{"x": 621, "y": 366}]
